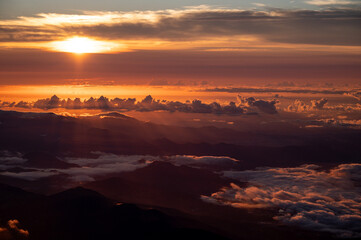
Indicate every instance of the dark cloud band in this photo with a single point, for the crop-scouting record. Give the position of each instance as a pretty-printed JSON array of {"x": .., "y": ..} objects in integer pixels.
[{"x": 324, "y": 27}]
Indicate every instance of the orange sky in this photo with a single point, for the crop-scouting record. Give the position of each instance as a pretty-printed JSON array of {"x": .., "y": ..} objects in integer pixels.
[{"x": 193, "y": 46}]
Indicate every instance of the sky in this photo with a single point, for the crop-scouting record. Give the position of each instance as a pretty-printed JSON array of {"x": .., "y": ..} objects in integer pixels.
[
  {"x": 217, "y": 106},
  {"x": 15, "y": 8},
  {"x": 217, "y": 43}
]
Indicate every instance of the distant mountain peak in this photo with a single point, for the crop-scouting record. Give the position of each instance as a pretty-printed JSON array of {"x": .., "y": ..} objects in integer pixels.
[{"x": 115, "y": 115}]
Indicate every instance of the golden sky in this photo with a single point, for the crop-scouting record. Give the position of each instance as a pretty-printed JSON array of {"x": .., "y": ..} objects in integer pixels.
[{"x": 190, "y": 45}]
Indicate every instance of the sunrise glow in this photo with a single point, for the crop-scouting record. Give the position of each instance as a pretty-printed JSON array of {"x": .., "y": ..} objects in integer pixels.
[
  {"x": 199, "y": 119},
  {"x": 81, "y": 45}
]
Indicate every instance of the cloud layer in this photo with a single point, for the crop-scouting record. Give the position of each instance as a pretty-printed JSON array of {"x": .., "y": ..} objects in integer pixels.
[
  {"x": 300, "y": 106},
  {"x": 286, "y": 87},
  {"x": 329, "y": 27},
  {"x": 107, "y": 164},
  {"x": 13, "y": 231},
  {"x": 150, "y": 104},
  {"x": 306, "y": 196},
  {"x": 261, "y": 105}
]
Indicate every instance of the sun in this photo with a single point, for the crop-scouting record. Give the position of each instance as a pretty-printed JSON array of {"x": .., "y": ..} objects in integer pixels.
[{"x": 81, "y": 45}]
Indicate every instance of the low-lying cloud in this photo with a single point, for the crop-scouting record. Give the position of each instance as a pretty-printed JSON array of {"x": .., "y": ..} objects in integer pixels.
[
  {"x": 300, "y": 106},
  {"x": 284, "y": 87},
  {"x": 12, "y": 231},
  {"x": 306, "y": 196},
  {"x": 196, "y": 161},
  {"x": 262, "y": 105},
  {"x": 354, "y": 94},
  {"x": 14, "y": 224},
  {"x": 249, "y": 105},
  {"x": 104, "y": 165},
  {"x": 320, "y": 104},
  {"x": 107, "y": 164},
  {"x": 8, "y": 159}
]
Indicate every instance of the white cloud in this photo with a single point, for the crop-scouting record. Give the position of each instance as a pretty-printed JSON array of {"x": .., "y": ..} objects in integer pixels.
[
  {"x": 108, "y": 158},
  {"x": 306, "y": 196},
  {"x": 329, "y": 2},
  {"x": 31, "y": 175},
  {"x": 106, "y": 163},
  {"x": 11, "y": 159},
  {"x": 110, "y": 163},
  {"x": 259, "y": 4}
]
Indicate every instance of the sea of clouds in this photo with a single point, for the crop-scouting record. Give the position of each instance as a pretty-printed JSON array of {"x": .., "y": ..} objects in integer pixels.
[{"x": 305, "y": 196}]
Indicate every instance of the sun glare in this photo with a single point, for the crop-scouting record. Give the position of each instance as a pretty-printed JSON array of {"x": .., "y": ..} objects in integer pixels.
[{"x": 82, "y": 45}]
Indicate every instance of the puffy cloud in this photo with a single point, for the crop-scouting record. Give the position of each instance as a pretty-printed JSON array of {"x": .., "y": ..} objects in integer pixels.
[
  {"x": 354, "y": 94},
  {"x": 333, "y": 122},
  {"x": 13, "y": 231},
  {"x": 306, "y": 196},
  {"x": 262, "y": 105},
  {"x": 53, "y": 102},
  {"x": 146, "y": 104},
  {"x": 300, "y": 106},
  {"x": 7, "y": 104},
  {"x": 13, "y": 224},
  {"x": 23, "y": 104},
  {"x": 321, "y": 104}
]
